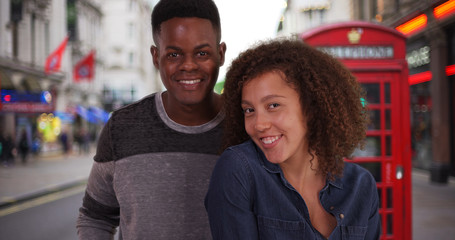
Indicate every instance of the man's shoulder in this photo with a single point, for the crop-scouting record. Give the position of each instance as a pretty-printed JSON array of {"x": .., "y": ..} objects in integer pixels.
[{"x": 142, "y": 107}]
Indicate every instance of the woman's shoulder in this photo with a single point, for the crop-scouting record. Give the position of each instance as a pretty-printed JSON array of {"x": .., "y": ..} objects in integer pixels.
[
  {"x": 240, "y": 156},
  {"x": 355, "y": 174}
]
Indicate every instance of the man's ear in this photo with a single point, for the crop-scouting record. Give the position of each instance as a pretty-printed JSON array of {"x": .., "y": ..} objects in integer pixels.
[
  {"x": 222, "y": 52},
  {"x": 155, "y": 55}
]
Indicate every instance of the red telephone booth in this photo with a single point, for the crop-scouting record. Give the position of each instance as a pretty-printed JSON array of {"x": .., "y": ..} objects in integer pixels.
[{"x": 376, "y": 56}]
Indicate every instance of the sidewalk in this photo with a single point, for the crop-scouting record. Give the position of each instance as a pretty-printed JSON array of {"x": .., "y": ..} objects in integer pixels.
[
  {"x": 42, "y": 175},
  {"x": 433, "y": 208},
  {"x": 433, "y": 204}
]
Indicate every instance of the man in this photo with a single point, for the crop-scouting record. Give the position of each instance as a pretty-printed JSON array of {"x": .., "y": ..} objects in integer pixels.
[{"x": 155, "y": 157}]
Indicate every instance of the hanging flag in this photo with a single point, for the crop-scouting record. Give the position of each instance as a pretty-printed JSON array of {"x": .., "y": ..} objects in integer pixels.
[
  {"x": 54, "y": 60},
  {"x": 85, "y": 68}
]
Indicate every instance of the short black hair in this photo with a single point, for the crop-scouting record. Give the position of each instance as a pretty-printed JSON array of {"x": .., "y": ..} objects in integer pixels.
[{"x": 167, "y": 9}]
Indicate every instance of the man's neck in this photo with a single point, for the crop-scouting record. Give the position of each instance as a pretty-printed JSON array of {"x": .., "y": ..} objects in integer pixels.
[{"x": 195, "y": 114}]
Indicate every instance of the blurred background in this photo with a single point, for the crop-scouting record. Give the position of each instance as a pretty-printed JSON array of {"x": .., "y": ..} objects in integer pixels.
[{"x": 65, "y": 65}]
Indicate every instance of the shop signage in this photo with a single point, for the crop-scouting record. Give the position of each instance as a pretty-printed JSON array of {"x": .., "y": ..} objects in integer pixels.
[
  {"x": 359, "y": 52},
  {"x": 27, "y": 107},
  {"x": 418, "y": 57}
]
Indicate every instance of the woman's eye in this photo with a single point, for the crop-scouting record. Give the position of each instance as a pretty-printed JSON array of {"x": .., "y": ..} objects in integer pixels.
[
  {"x": 274, "y": 105},
  {"x": 248, "y": 110}
]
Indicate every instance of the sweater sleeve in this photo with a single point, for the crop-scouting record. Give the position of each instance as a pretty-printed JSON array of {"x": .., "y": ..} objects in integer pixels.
[{"x": 99, "y": 214}]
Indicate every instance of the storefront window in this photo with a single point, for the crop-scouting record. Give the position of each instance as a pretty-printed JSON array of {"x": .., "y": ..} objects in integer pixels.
[{"x": 421, "y": 106}]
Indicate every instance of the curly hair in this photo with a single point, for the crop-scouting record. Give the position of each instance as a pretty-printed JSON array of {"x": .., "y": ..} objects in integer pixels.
[
  {"x": 167, "y": 9},
  {"x": 330, "y": 97}
]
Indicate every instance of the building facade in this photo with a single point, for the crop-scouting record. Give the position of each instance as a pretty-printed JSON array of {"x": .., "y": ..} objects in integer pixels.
[
  {"x": 48, "y": 105},
  {"x": 302, "y": 15},
  {"x": 29, "y": 32},
  {"x": 129, "y": 72},
  {"x": 430, "y": 29}
]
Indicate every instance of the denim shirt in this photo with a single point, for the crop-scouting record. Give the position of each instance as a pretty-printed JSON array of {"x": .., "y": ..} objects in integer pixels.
[{"x": 249, "y": 198}]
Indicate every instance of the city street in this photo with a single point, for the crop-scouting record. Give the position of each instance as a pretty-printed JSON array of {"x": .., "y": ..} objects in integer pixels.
[
  {"x": 40, "y": 200},
  {"x": 52, "y": 217}
]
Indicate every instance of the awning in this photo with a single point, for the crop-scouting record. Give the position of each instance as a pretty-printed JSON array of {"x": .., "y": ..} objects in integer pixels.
[
  {"x": 11, "y": 80},
  {"x": 92, "y": 114},
  {"x": 64, "y": 116},
  {"x": 31, "y": 84},
  {"x": 99, "y": 113},
  {"x": 5, "y": 80}
]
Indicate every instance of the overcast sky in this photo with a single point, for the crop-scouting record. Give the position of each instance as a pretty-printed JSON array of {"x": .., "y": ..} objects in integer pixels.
[{"x": 244, "y": 22}]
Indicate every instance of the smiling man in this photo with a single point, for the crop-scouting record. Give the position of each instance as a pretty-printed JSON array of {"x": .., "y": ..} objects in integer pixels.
[{"x": 155, "y": 157}]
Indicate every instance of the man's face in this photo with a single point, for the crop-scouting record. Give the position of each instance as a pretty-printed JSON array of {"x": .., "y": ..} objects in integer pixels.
[{"x": 188, "y": 57}]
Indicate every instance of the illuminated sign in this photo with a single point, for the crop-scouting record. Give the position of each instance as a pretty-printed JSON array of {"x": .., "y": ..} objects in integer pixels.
[
  {"x": 30, "y": 107},
  {"x": 420, "y": 21},
  {"x": 444, "y": 9},
  {"x": 12, "y": 96},
  {"x": 359, "y": 52},
  {"x": 418, "y": 57},
  {"x": 413, "y": 25}
]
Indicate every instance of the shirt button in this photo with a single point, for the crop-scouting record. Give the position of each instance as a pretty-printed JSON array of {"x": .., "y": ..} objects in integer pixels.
[
  {"x": 341, "y": 215},
  {"x": 332, "y": 207}
]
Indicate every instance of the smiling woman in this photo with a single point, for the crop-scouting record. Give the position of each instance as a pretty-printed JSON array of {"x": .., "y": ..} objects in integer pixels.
[{"x": 293, "y": 114}]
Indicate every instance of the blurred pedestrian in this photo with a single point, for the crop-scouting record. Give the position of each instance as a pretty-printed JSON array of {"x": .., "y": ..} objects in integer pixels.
[
  {"x": 155, "y": 157},
  {"x": 2, "y": 144},
  {"x": 36, "y": 145},
  {"x": 23, "y": 147},
  {"x": 64, "y": 141},
  {"x": 9, "y": 150}
]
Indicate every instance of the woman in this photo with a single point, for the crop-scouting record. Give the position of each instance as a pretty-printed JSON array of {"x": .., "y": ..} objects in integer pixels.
[{"x": 293, "y": 114}]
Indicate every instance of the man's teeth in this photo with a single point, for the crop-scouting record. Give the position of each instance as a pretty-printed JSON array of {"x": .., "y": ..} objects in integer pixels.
[
  {"x": 190, "y": 81},
  {"x": 269, "y": 140}
]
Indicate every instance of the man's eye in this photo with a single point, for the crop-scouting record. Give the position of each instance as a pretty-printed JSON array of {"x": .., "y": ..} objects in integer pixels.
[
  {"x": 173, "y": 55},
  {"x": 202, "y": 54}
]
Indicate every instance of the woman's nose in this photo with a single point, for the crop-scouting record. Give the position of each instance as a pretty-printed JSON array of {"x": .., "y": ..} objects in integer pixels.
[{"x": 262, "y": 122}]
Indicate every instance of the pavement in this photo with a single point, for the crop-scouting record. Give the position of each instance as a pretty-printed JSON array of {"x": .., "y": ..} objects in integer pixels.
[
  {"x": 42, "y": 175},
  {"x": 433, "y": 204}
]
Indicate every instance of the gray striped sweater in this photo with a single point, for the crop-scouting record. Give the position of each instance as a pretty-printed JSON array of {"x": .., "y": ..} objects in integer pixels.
[{"x": 150, "y": 176}]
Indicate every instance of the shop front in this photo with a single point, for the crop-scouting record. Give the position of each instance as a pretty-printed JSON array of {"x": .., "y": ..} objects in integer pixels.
[
  {"x": 430, "y": 32},
  {"x": 25, "y": 99}
]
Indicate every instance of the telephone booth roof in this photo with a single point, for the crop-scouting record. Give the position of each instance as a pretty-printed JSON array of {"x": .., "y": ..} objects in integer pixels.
[{"x": 356, "y": 33}]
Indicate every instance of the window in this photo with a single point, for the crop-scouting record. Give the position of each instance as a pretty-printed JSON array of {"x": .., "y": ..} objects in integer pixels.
[{"x": 131, "y": 59}]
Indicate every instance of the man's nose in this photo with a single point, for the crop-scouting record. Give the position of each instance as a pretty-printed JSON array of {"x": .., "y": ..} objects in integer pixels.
[{"x": 189, "y": 63}]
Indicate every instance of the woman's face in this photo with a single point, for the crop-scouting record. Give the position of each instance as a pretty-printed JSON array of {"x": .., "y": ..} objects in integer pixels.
[{"x": 274, "y": 119}]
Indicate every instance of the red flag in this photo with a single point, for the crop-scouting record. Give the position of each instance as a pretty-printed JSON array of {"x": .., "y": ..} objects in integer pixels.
[
  {"x": 54, "y": 60},
  {"x": 85, "y": 68}
]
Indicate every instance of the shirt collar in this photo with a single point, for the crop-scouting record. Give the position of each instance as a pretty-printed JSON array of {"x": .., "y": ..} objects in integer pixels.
[
  {"x": 336, "y": 183},
  {"x": 270, "y": 167},
  {"x": 275, "y": 168}
]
